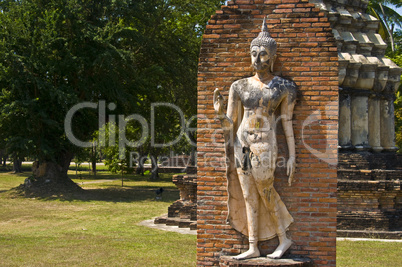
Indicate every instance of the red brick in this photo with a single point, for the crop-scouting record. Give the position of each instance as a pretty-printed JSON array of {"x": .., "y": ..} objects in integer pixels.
[{"x": 306, "y": 55}]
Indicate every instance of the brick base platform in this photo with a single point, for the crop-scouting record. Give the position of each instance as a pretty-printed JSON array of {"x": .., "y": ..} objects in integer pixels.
[
  {"x": 290, "y": 262},
  {"x": 370, "y": 234},
  {"x": 369, "y": 194},
  {"x": 369, "y": 161},
  {"x": 175, "y": 221}
]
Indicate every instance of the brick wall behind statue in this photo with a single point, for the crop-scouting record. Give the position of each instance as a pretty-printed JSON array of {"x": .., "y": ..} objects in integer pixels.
[{"x": 307, "y": 55}]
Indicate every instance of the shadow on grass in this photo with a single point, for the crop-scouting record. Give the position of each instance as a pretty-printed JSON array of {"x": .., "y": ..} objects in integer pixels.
[
  {"x": 163, "y": 177},
  {"x": 109, "y": 194},
  {"x": 71, "y": 191},
  {"x": 119, "y": 194}
]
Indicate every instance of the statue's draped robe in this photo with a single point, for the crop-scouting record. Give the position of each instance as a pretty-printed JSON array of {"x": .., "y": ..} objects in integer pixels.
[{"x": 279, "y": 89}]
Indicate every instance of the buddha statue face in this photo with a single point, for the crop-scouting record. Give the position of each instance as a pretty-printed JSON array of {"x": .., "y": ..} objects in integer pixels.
[
  {"x": 263, "y": 50},
  {"x": 262, "y": 58}
]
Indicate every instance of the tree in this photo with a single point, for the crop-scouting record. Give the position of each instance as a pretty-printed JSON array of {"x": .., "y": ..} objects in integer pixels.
[
  {"x": 167, "y": 71},
  {"x": 58, "y": 53},
  {"x": 55, "y": 54},
  {"x": 172, "y": 65},
  {"x": 388, "y": 18}
]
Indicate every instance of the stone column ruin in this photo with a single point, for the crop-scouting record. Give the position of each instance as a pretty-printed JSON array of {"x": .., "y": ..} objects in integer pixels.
[
  {"x": 369, "y": 171},
  {"x": 367, "y": 79}
]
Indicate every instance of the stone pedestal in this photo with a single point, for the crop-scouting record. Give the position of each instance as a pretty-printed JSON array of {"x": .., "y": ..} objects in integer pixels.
[
  {"x": 183, "y": 212},
  {"x": 186, "y": 206},
  {"x": 262, "y": 261}
]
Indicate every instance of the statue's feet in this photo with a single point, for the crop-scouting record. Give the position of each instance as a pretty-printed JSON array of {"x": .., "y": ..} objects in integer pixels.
[
  {"x": 251, "y": 253},
  {"x": 281, "y": 249}
]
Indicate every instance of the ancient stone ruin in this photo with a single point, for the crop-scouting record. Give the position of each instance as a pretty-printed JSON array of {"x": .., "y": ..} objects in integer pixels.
[
  {"x": 369, "y": 171},
  {"x": 183, "y": 212}
]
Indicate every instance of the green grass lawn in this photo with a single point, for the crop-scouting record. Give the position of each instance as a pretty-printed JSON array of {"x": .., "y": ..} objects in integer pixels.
[
  {"x": 368, "y": 253},
  {"x": 99, "y": 227}
]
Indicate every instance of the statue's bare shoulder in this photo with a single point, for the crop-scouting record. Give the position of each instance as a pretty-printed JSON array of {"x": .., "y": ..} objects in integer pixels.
[
  {"x": 244, "y": 84},
  {"x": 285, "y": 86},
  {"x": 249, "y": 92}
]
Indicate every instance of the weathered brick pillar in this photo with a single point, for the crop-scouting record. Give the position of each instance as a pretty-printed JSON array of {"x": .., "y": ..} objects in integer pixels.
[{"x": 307, "y": 54}]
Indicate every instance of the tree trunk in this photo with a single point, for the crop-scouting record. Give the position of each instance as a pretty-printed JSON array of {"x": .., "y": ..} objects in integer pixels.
[
  {"x": 94, "y": 167},
  {"x": 155, "y": 168},
  {"x": 140, "y": 167},
  {"x": 51, "y": 176},
  {"x": 93, "y": 159},
  {"x": 17, "y": 165},
  {"x": 192, "y": 156},
  {"x": 3, "y": 157}
]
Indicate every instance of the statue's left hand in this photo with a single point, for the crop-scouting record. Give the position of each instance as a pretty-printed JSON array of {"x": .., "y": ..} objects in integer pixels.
[{"x": 291, "y": 167}]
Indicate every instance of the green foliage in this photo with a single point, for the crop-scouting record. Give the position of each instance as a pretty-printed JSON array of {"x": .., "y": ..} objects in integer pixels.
[
  {"x": 113, "y": 162},
  {"x": 57, "y": 53},
  {"x": 388, "y": 17},
  {"x": 166, "y": 45},
  {"x": 116, "y": 159},
  {"x": 54, "y": 54}
]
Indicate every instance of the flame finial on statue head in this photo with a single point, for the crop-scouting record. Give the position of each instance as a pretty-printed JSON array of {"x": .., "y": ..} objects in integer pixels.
[
  {"x": 264, "y": 39},
  {"x": 264, "y": 27}
]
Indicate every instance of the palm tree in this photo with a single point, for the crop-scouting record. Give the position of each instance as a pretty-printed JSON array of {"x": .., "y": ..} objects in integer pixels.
[{"x": 388, "y": 18}]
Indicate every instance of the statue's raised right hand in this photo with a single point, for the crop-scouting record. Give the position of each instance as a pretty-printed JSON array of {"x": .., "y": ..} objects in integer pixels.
[{"x": 218, "y": 102}]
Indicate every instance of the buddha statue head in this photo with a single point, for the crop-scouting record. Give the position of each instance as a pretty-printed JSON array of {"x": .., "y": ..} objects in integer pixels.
[{"x": 263, "y": 50}]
